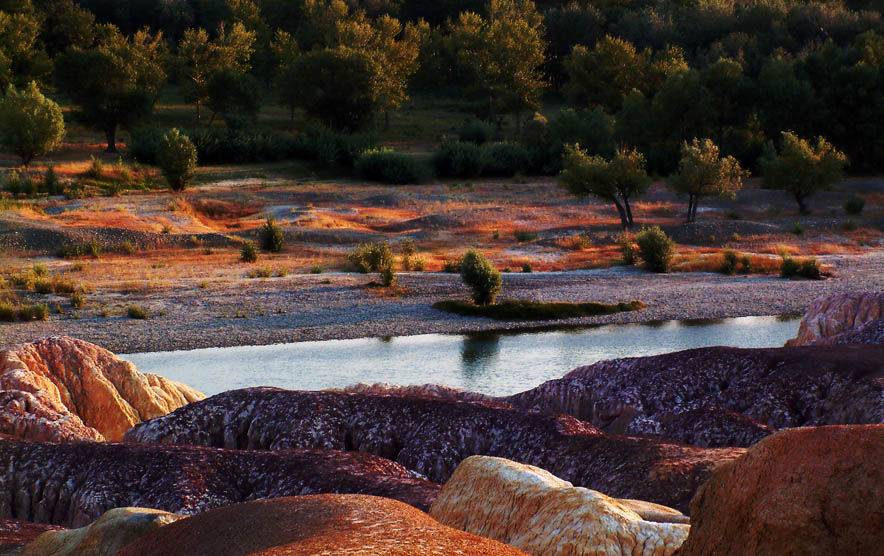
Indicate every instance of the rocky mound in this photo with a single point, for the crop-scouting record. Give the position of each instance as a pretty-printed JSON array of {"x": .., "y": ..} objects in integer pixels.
[
  {"x": 73, "y": 484},
  {"x": 528, "y": 508},
  {"x": 802, "y": 491},
  {"x": 113, "y": 530},
  {"x": 432, "y": 436},
  {"x": 830, "y": 316},
  {"x": 307, "y": 525},
  {"x": 721, "y": 396},
  {"x": 70, "y": 385}
]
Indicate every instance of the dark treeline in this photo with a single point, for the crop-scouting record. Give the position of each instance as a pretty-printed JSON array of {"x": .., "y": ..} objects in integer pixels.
[{"x": 647, "y": 75}]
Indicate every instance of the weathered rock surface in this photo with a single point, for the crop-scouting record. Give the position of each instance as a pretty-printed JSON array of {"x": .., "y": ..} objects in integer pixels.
[
  {"x": 528, "y": 508},
  {"x": 801, "y": 491},
  {"x": 871, "y": 332},
  {"x": 830, "y": 316},
  {"x": 94, "y": 387},
  {"x": 721, "y": 396},
  {"x": 106, "y": 536},
  {"x": 432, "y": 436},
  {"x": 309, "y": 525},
  {"x": 16, "y": 534},
  {"x": 73, "y": 484}
]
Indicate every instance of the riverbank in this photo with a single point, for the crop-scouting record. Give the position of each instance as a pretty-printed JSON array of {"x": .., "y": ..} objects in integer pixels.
[{"x": 339, "y": 305}]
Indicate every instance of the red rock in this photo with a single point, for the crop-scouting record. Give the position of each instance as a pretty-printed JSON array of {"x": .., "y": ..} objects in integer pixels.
[
  {"x": 24, "y": 415},
  {"x": 833, "y": 315},
  {"x": 309, "y": 525},
  {"x": 803, "y": 491},
  {"x": 73, "y": 484},
  {"x": 721, "y": 396},
  {"x": 96, "y": 389},
  {"x": 432, "y": 436}
]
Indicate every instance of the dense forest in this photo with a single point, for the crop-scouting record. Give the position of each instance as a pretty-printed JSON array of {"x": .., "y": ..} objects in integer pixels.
[{"x": 647, "y": 75}]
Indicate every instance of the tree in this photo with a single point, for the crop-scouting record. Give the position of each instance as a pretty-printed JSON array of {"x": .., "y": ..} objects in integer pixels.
[
  {"x": 339, "y": 90},
  {"x": 479, "y": 274},
  {"x": 114, "y": 83},
  {"x": 604, "y": 75},
  {"x": 286, "y": 50},
  {"x": 201, "y": 58},
  {"x": 176, "y": 157},
  {"x": 31, "y": 125},
  {"x": 802, "y": 168},
  {"x": 503, "y": 54},
  {"x": 22, "y": 58},
  {"x": 616, "y": 180},
  {"x": 236, "y": 96},
  {"x": 702, "y": 172}
]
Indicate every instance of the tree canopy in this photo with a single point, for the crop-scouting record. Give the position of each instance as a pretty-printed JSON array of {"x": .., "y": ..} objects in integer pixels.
[
  {"x": 31, "y": 125},
  {"x": 703, "y": 172}
]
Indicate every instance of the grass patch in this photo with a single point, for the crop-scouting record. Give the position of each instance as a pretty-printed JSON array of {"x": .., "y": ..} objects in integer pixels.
[{"x": 519, "y": 309}]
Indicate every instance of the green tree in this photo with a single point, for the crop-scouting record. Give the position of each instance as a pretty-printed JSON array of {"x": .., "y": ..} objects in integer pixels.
[
  {"x": 176, "y": 157},
  {"x": 702, "y": 172},
  {"x": 802, "y": 168},
  {"x": 201, "y": 57},
  {"x": 503, "y": 54},
  {"x": 31, "y": 125},
  {"x": 234, "y": 95},
  {"x": 604, "y": 75},
  {"x": 115, "y": 82},
  {"x": 22, "y": 58},
  {"x": 286, "y": 51},
  {"x": 479, "y": 274},
  {"x": 617, "y": 180}
]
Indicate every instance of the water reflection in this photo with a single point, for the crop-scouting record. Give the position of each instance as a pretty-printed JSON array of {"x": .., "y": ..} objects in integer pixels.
[{"x": 477, "y": 352}]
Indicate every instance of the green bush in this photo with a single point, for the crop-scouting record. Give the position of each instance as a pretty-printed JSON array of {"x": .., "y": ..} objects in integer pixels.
[
  {"x": 810, "y": 269},
  {"x": 176, "y": 157},
  {"x": 628, "y": 248},
  {"x": 656, "y": 249},
  {"x": 387, "y": 166},
  {"x": 458, "y": 159},
  {"x": 249, "y": 252},
  {"x": 789, "y": 268},
  {"x": 137, "y": 312},
  {"x": 854, "y": 205},
  {"x": 31, "y": 125},
  {"x": 10, "y": 312},
  {"x": 271, "y": 236},
  {"x": 729, "y": 264},
  {"x": 78, "y": 300},
  {"x": 524, "y": 235},
  {"x": 475, "y": 131},
  {"x": 527, "y": 268},
  {"x": 798, "y": 228},
  {"x": 451, "y": 266},
  {"x": 371, "y": 257},
  {"x": 479, "y": 274},
  {"x": 506, "y": 160}
]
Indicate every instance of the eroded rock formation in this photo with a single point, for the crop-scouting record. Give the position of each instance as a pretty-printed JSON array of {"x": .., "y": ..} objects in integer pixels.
[
  {"x": 432, "y": 436},
  {"x": 721, "y": 396},
  {"x": 106, "y": 536},
  {"x": 528, "y": 508},
  {"x": 801, "y": 491},
  {"x": 73, "y": 384},
  {"x": 871, "y": 332},
  {"x": 308, "y": 525},
  {"x": 830, "y": 316},
  {"x": 73, "y": 484}
]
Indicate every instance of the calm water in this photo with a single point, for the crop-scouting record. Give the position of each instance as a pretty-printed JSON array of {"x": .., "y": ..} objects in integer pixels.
[{"x": 497, "y": 364}]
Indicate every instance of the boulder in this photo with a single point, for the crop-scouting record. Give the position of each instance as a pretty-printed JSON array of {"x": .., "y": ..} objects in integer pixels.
[
  {"x": 106, "y": 536},
  {"x": 802, "y": 491},
  {"x": 432, "y": 436},
  {"x": 307, "y": 525},
  {"x": 720, "y": 396},
  {"x": 530, "y": 509},
  {"x": 24, "y": 415},
  {"x": 72, "y": 484},
  {"x": 833, "y": 315},
  {"x": 95, "y": 388}
]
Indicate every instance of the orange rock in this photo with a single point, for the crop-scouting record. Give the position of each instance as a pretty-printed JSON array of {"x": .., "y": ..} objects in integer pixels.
[
  {"x": 355, "y": 525},
  {"x": 815, "y": 490},
  {"x": 830, "y": 316},
  {"x": 91, "y": 384}
]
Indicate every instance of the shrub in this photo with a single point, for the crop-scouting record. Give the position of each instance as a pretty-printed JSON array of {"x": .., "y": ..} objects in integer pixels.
[
  {"x": 523, "y": 235},
  {"x": 527, "y": 268},
  {"x": 261, "y": 272},
  {"x": 372, "y": 257},
  {"x": 271, "y": 236},
  {"x": 388, "y": 277},
  {"x": 507, "y": 159},
  {"x": 126, "y": 247},
  {"x": 94, "y": 249},
  {"x": 137, "y": 312},
  {"x": 249, "y": 252},
  {"x": 31, "y": 125},
  {"x": 176, "y": 157},
  {"x": 451, "y": 266},
  {"x": 51, "y": 184},
  {"x": 457, "y": 159},
  {"x": 810, "y": 269},
  {"x": 387, "y": 166},
  {"x": 628, "y": 248},
  {"x": 729, "y": 264},
  {"x": 475, "y": 131},
  {"x": 40, "y": 269},
  {"x": 78, "y": 300},
  {"x": 656, "y": 249},
  {"x": 789, "y": 267},
  {"x": 797, "y": 228},
  {"x": 854, "y": 205},
  {"x": 316, "y": 269},
  {"x": 479, "y": 274}
]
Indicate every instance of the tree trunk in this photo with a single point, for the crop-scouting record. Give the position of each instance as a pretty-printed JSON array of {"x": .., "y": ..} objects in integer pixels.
[
  {"x": 696, "y": 204},
  {"x": 111, "y": 135},
  {"x": 690, "y": 208},
  {"x": 624, "y": 221},
  {"x": 628, "y": 212}
]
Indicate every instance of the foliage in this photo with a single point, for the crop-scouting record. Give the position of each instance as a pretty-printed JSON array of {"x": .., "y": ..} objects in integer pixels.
[
  {"x": 137, "y": 312},
  {"x": 628, "y": 248},
  {"x": 808, "y": 268},
  {"x": 481, "y": 277},
  {"x": 235, "y": 96},
  {"x": 31, "y": 125},
  {"x": 375, "y": 257},
  {"x": 176, "y": 157},
  {"x": 656, "y": 249},
  {"x": 616, "y": 180},
  {"x": 517, "y": 309},
  {"x": 387, "y": 166},
  {"x": 475, "y": 131},
  {"x": 457, "y": 159},
  {"x": 271, "y": 236},
  {"x": 249, "y": 252},
  {"x": 506, "y": 160},
  {"x": 703, "y": 172},
  {"x": 854, "y": 205},
  {"x": 802, "y": 168}
]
